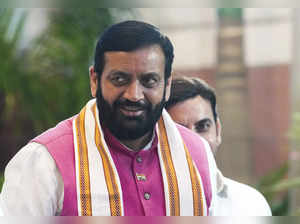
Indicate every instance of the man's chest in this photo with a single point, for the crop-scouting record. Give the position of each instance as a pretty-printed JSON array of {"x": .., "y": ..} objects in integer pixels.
[{"x": 141, "y": 182}]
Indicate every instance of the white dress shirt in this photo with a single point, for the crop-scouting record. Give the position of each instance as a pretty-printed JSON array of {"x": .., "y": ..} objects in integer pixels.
[
  {"x": 33, "y": 184},
  {"x": 237, "y": 199}
]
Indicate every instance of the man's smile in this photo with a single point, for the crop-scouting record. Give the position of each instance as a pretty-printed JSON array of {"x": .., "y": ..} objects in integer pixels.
[{"x": 132, "y": 111}]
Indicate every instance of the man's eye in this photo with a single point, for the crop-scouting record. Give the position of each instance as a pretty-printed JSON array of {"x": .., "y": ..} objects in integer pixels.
[
  {"x": 203, "y": 127},
  {"x": 118, "y": 80},
  {"x": 149, "y": 82}
]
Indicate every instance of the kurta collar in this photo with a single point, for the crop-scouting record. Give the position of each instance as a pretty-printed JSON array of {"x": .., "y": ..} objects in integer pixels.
[
  {"x": 221, "y": 186},
  {"x": 115, "y": 144}
]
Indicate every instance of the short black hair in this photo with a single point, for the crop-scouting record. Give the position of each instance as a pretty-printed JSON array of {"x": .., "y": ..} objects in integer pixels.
[
  {"x": 129, "y": 36},
  {"x": 185, "y": 88}
]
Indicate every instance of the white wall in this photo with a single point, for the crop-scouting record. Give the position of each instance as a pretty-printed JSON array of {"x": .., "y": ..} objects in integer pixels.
[
  {"x": 191, "y": 30},
  {"x": 267, "y": 34}
]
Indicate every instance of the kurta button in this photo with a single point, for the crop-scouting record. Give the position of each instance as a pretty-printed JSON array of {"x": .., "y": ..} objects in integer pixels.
[
  {"x": 139, "y": 159},
  {"x": 147, "y": 196}
]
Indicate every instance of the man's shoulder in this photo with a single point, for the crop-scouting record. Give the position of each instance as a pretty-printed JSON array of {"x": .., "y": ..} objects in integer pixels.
[
  {"x": 60, "y": 132},
  {"x": 195, "y": 143},
  {"x": 189, "y": 135},
  {"x": 241, "y": 188},
  {"x": 201, "y": 155},
  {"x": 239, "y": 192},
  {"x": 59, "y": 142}
]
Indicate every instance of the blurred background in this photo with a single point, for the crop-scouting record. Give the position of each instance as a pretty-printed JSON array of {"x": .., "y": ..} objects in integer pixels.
[{"x": 250, "y": 56}]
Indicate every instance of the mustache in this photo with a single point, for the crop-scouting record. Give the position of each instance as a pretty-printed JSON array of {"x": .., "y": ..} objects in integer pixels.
[{"x": 143, "y": 105}]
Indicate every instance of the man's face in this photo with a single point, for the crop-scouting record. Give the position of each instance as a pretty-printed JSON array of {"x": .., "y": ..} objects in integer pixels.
[
  {"x": 132, "y": 91},
  {"x": 196, "y": 114}
]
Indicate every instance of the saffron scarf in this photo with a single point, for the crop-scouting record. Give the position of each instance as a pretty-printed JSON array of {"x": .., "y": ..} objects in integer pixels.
[{"x": 184, "y": 194}]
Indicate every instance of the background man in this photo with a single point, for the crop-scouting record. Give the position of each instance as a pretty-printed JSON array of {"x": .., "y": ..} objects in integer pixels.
[
  {"x": 122, "y": 154},
  {"x": 193, "y": 104}
]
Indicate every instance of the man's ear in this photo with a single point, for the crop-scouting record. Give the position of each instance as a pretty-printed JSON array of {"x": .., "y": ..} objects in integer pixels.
[
  {"x": 93, "y": 81},
  {"x": 168, "y": 87},
  {"x": 219, "y": 132}
]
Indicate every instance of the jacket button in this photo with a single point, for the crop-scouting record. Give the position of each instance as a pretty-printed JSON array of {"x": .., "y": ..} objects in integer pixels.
[
  {"x": 139, "y": 159},
  {"x": 147, "y": 196}
]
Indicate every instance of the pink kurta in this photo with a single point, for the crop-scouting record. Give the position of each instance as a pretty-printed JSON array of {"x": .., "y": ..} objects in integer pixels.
[{"x": 141, "y": 196}]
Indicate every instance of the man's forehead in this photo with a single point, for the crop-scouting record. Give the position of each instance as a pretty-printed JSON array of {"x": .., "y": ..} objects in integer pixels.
[
  {"x": 148, "y": 49},
  {"x": 149, "y": 58},
  {"x": 203, "y": 104}
]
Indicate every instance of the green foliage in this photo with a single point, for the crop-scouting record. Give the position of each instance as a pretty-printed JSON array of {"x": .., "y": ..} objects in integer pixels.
[
  {"x": 275, "y": 186},
  {"x": 294, "y": 133},
  {"x": 60, "y": 62},
  {"x": 1, "y": 181},
  {"x": 49, "y": 81},
  {"x": 271, "y": 187},
  {"x": 11, "y": 75}
]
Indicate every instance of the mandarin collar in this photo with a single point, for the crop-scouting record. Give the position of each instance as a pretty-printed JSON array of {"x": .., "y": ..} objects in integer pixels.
[{"x": 116, "y": 145}]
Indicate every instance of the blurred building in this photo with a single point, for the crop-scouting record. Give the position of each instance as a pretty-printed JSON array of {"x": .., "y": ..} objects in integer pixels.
[{"x": 267, "y": 43}]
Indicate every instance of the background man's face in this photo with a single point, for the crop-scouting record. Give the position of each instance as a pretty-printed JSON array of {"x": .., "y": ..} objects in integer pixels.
[
  {"x": 132, "y": 91},
  {"x": 196, "y": 114}
]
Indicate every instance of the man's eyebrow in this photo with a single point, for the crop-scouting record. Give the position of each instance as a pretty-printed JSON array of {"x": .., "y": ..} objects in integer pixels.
[
  {"x": 204, "y": 120},
  {"x": 118, "y": 72},
  {"x": 150, "y": 73}
]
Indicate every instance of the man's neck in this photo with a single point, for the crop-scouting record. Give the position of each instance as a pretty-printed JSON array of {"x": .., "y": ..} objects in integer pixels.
[{"x": 138, "y": 144}]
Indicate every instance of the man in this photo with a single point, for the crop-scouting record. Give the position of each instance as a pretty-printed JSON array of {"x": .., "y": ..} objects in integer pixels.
[
  {"x": 122, "y": 154},
  {"x": 193, "y": 104}
]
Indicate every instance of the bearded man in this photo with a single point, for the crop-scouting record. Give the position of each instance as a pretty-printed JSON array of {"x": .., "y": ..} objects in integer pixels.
[{"x": 122, "y": 154}]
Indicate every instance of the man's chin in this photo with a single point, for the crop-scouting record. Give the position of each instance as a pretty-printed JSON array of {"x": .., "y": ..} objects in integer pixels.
[
  {"x": 134, "y": 124},
  {"x": 130, "y": 134},
  {"x": 128, "y": 127}
]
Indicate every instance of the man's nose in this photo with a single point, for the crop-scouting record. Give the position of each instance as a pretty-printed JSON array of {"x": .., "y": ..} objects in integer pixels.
[{"x": 134, "y": 92}]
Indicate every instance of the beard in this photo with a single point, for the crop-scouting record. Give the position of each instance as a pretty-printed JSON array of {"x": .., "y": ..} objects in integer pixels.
[{"x": 129, "y": 127}]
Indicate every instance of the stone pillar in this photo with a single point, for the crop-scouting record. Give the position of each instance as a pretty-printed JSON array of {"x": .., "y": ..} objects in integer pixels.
[
  {"x": 294, "y": 155},
  {"x": 234, "y": 157}
]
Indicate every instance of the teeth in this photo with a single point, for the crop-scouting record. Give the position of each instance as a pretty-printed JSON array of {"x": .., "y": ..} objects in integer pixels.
[
  {"x": 132, "y": 108},
  {"x": 129, "y": 111}
]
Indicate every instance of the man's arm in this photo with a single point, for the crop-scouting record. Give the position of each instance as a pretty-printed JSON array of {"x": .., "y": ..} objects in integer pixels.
[{"x": 33, "y": 184}]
